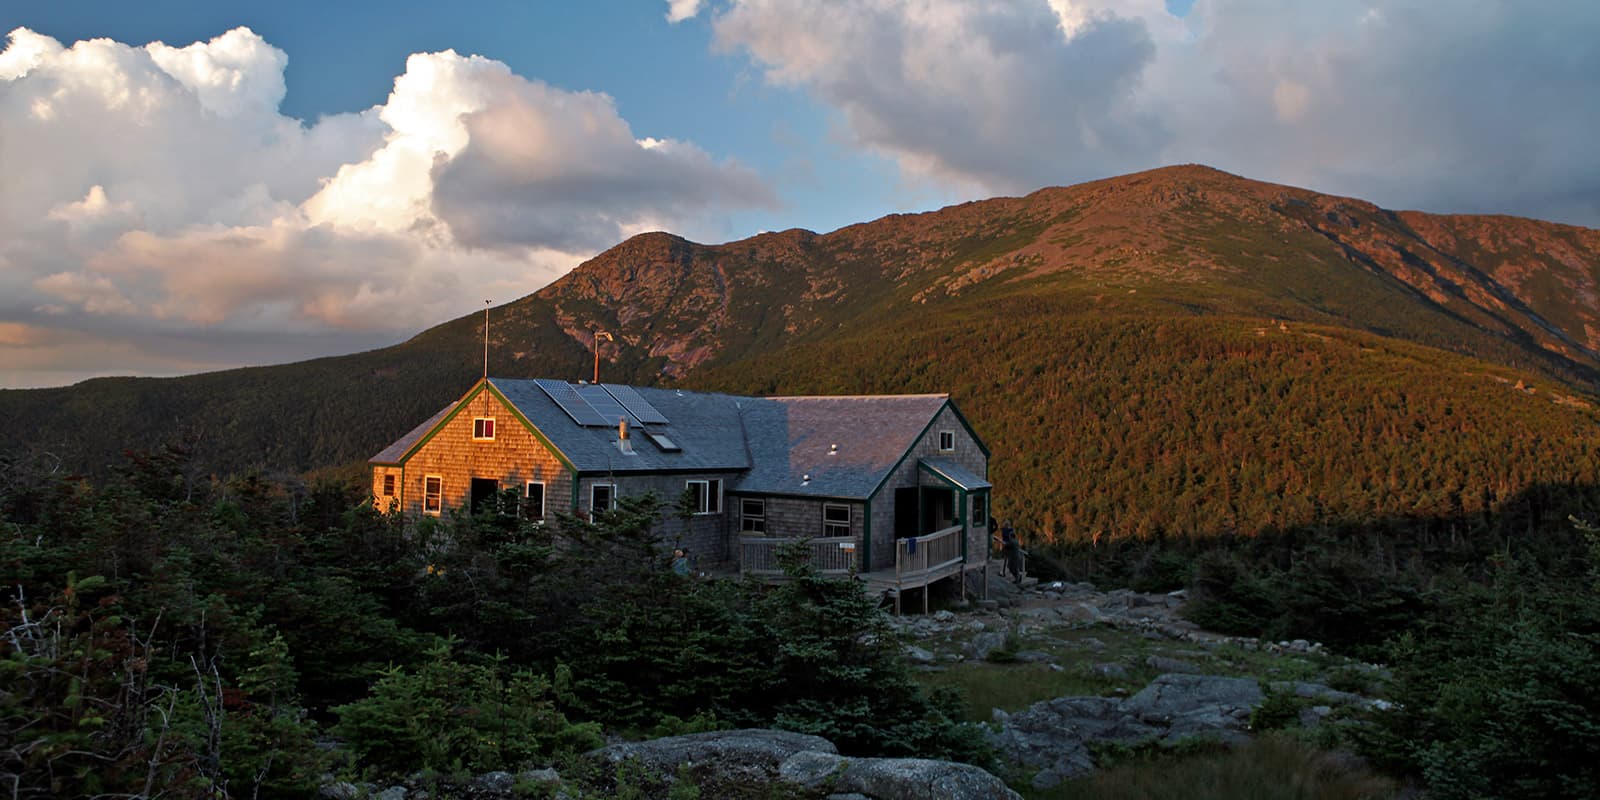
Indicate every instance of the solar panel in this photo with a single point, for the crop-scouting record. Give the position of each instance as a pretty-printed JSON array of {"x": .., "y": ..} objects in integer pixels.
[
  {"x": 571, "y": 402},
  {"x": 636, "y": 404},
  {"x": 604, "y": 404}
]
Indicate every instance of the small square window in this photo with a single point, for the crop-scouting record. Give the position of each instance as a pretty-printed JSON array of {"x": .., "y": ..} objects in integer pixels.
[
  {"x": 432, "y": 495},
  {"x": 752, "y": 516},
  {"x": 388, "y": 485},
  {"x": 835, "y": 520},
  {"x": 483, "y": 429},
  {"x": 947, "y": 441}
]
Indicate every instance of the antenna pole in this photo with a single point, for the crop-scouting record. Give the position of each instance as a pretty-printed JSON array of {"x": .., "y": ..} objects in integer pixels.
[
  {"x": 486, "y": 339},
  {"x": 598, "y": 335}
]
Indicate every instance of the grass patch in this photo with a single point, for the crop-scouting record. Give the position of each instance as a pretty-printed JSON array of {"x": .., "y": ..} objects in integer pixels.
[
  {"x": 1270, "y": 768},
  {"x": 1013, "y": 687}
]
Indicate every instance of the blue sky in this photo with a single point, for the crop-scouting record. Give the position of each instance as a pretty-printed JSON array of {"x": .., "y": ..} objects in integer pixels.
[{"x": 199, "y": 185}]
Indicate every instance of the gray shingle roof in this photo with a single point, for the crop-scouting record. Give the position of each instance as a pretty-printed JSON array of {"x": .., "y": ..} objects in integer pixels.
[
  {"x": 792, "y": 437},
  {"x": 705, "y": 426},
  {"x": 776, "y": 441}
]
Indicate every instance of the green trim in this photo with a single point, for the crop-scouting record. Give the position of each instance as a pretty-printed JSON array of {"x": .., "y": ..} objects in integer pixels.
[
  {"x": 970, "y": 432},
  {"x": 866, "y": 540},
  {"x": 461, "y": 405},
  {"x": 902, "y": 459},
  {"x": 935, "y": 418},
  {"x": 984, "y": 493}
]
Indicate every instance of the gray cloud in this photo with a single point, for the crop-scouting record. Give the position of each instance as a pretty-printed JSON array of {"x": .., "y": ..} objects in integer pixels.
[
  {"x": 563, "y": 170},
  {"x": 1476, "y": 106},
  {"x": 986, "y": 93}
]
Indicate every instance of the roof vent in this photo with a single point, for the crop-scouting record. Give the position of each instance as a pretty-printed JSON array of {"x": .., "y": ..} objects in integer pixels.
[
  {"x": 805, "y": 479},
  {"x": 833, "y": 449}
]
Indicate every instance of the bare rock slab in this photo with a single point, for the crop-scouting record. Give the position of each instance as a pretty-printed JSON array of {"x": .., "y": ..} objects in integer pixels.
[{"x": 893, "y": 778}]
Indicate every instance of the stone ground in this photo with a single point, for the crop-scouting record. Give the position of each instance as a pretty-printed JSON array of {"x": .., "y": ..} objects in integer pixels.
[{"x": 1059, "y": 669}]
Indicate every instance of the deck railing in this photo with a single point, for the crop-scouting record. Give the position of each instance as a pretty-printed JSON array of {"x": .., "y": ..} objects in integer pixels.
[
  {"x": 829, "y": 555},
  {"x": 933, "y": 551}
]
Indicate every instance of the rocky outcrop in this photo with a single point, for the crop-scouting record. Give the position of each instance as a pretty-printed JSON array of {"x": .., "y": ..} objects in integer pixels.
[
  {"x": 1054, "y": 736},
  {"x": 748, "y": 756},
  {"x": 793, "y": 764},
  {"x": 809, "y": 765},
  {"x": 901, "y": 778}
]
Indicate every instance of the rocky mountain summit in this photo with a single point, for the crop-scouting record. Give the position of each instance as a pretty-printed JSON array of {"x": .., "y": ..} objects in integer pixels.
[{"x": 1234, "y": 243}]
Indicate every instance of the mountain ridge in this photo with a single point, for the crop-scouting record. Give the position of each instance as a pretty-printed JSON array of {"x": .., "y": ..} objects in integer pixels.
[
  {"x": 1086, "y": 230},
  {"x": 1195, "y": 297}
]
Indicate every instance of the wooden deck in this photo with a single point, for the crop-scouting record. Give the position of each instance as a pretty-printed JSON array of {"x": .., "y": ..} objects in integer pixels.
[{"x": 919, "y": 562}]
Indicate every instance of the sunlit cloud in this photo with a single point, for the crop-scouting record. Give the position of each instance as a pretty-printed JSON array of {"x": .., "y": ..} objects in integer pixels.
[{"x": 156, "y": 191}]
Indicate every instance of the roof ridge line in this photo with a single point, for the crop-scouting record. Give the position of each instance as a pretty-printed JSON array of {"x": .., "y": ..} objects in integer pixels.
[{"x": 850, "y": 396}]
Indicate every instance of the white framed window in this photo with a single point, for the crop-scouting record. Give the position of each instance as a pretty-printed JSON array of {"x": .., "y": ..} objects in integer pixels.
[
  {"x": 602, "y": 497},
  {"x": 752, "y": 515},
  {"x": 980, "y": 510},
  {"x": 705, "y": 497},
  {"x": 835, "y": 519},
  {"x": 388, "y": 485},
  {"x": 483, "y": 429},
  {"x": 533, "y": 500},
  {"x": 947, "y": 441},
  {"x": 432, "y": 495}
]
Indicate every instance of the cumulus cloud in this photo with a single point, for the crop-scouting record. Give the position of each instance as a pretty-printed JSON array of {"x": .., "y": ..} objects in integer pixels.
[
  {"x": 680, "y": 10},
  {"x": 1481, "y": 106},
  {"x": 157, "y": 191},
  {"x": 513, "y": 184}
]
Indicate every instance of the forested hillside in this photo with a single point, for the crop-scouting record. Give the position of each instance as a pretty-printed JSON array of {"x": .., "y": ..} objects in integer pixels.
[
  {"x": 1180, "y": 351},
  {"x": 1144, "y": 426}
]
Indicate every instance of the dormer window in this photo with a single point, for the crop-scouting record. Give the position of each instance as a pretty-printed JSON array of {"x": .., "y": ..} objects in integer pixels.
[
  {"x": 947, "y": 441},
  {"x": 483, "y": 429}
]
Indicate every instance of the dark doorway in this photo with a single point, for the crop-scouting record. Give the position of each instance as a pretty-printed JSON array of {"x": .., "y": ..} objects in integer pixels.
[
  {"x": 925, "y": 510},
  {"x": 938, "y": 509},
  {"x": 905, "y": 513},
  {"x": 485, "y": 495}
]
